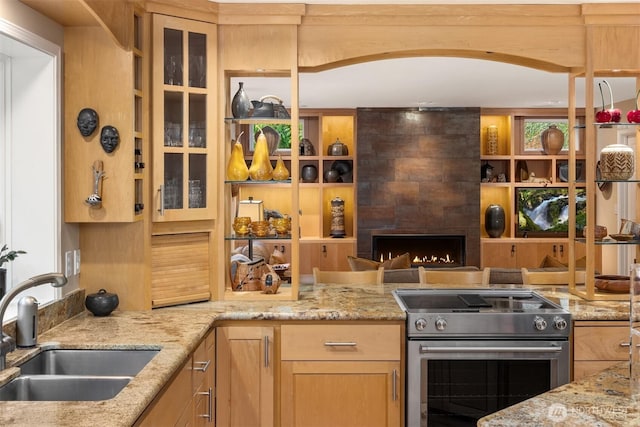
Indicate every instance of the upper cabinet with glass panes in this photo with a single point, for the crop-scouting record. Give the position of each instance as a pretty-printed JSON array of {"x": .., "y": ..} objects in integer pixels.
[{"x": 184, "y": 103}]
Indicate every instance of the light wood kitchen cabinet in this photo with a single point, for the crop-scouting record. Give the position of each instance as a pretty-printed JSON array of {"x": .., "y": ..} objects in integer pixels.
[
  {"x": 204, "y": 377},
  {"x": 245, "y": 376},
  {"x": 598, "y": 345},
  {"x": 184, "y": 111},
  {"x": 180, "y": 268},
  {"x": 174, "y": 406},
  {"x": 511, "y": 253},
  {"x": 188, "y": 398},
  {"x": 341, "y": 375},
  {"x": 326, "y": 254}
]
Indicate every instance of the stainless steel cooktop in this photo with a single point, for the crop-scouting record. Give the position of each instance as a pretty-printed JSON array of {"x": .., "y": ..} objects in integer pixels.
[{"x": 481, "y": 313}]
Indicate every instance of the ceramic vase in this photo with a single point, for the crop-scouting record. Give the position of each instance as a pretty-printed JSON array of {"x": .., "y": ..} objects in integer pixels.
[
  {"x": 494, "y": 220},
  {"x": 617, "y": 162},
  {"x": 240, "y": 104},
  {"x": 552, "y": 140},
  {"x": 309, "y": 173}
]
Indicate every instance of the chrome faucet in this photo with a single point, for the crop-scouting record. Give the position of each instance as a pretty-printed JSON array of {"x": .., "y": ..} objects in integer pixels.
[{"x": 8, "y": 344}]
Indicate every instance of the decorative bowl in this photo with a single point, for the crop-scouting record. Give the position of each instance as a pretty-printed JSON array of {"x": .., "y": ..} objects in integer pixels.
[
  {"x": 599, "y": 233},
  {"x": 612, "y": 283},
  {"x": 281, "y": 225},
  {"x": 621, "y": 237},
  {"x": 260, "y": 228}
]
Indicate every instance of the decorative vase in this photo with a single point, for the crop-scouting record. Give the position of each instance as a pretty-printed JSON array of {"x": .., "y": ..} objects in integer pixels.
[
  {"x": 337, "y": 218},
  {"x": 492, "y": 140},
  {"x": 240, "y": 104},
  {"x": 552, "y": 140},
  {"x": 494, "y": 220},
  {"x": 331, "y": 175},
  {"x": 309, "y": 173},
  {"x": 617, "y": 162}
]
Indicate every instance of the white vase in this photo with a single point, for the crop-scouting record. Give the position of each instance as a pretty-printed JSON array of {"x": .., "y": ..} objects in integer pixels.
[{"x": 617, "y": 162}]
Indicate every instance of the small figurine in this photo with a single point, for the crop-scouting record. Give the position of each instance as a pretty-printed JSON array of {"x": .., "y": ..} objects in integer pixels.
[
  {"x": 109, "y": 138},
  {"x": 87, "y": 121}
]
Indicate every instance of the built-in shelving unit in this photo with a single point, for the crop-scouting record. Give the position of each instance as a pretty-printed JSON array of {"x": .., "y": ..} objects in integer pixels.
[
  {"x": 514, "y": 166},
  {"x": 592, "y": 247}
]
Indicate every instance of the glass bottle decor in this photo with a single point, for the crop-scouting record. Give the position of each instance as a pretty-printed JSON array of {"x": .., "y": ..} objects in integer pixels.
[
  {"x": 240, "y": 104},
  {"x": 494, "y": 220}
]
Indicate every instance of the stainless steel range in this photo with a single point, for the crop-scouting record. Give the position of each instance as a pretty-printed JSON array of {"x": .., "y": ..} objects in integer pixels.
[{"x": 471, "y": 352}]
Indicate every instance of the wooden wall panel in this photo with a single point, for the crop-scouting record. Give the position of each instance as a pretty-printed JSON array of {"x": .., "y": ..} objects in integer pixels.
[
  {"x": 91, "y": 62},
  {"x": 251, "y": 47},
  {"x": 615, "y": 47}
]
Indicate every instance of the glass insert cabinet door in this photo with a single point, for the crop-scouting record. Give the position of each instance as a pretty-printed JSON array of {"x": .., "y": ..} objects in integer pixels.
[{"x": 183, "y": 116}]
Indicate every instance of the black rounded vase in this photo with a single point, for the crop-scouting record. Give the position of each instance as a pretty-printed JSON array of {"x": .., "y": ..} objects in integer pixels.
[
  {"x": 494, "y": 220},
  {"x": 309, "y": 173},
  {"x": 101, "y": 303}
]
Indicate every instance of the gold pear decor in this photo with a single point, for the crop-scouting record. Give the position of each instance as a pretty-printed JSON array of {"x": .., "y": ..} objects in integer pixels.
[
  {"x": 261, "y": 169},
  {"x": 280, "y": 173},
  {"x": 237, "y": 169}
]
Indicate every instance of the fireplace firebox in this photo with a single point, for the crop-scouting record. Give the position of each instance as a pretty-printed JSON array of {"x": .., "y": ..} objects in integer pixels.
[{"x": 426, "y": 250}]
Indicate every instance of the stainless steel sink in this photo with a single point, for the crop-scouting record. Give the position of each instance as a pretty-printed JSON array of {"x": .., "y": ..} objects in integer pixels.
[
  {"x": 62, "y": 387},
  {"x": 88, "y": 362},
  {"x": 75, "y": 374}
]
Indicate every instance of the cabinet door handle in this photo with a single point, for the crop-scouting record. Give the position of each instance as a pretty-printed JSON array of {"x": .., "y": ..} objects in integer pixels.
[
  {"x": 340, "y": 344},
  {"x": 209, "y": 414},
  {"x": 555, "y": 250},
  {"x": 394, "y": 385},
  {"x": 513, "y": 250},
  {"x": 161, "y": 193},
  {"x": 561, "y": 250},
  {"x": 324, "y": 249},
  {"x": 203, "y": 366},
  {"x": 266, "y": 351},
  {"x": 625, "y": 344}
]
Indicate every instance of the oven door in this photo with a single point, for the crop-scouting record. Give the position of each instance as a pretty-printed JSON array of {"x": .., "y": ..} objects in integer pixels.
[{"x": 455, "y": 383}]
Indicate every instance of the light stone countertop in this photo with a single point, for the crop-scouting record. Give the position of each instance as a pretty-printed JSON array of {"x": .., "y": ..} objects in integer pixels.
[
  {"x": 602, "y": 399},
  {"x": 178, "y": 331}
]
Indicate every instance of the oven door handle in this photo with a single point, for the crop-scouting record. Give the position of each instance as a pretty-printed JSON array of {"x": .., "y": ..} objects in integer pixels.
[{"x": 428, "y": 349}]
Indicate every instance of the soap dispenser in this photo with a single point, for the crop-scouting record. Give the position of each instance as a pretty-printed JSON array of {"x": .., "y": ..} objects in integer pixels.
[{"x": 27, "y": 322}]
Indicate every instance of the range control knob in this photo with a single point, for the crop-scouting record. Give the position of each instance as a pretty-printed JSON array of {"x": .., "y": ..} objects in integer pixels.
[
  {"x": 421, "y": 324},
  {"x": 441, "y": 324},
  {"x": 560, "y": 323},
  {"x": 539, "y": 323}
]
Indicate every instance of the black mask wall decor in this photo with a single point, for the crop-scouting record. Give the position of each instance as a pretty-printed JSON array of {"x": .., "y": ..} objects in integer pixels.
[
  {"x": 87, "y": 121},
  {"x": 109, "y": 138}
]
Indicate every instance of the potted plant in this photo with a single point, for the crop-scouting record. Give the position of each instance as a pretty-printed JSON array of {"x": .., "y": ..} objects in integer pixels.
[{"x": 6, "y": 255}]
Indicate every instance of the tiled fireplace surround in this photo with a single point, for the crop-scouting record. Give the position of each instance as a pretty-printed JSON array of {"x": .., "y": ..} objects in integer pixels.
[{"x": 419, "y": 173}]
